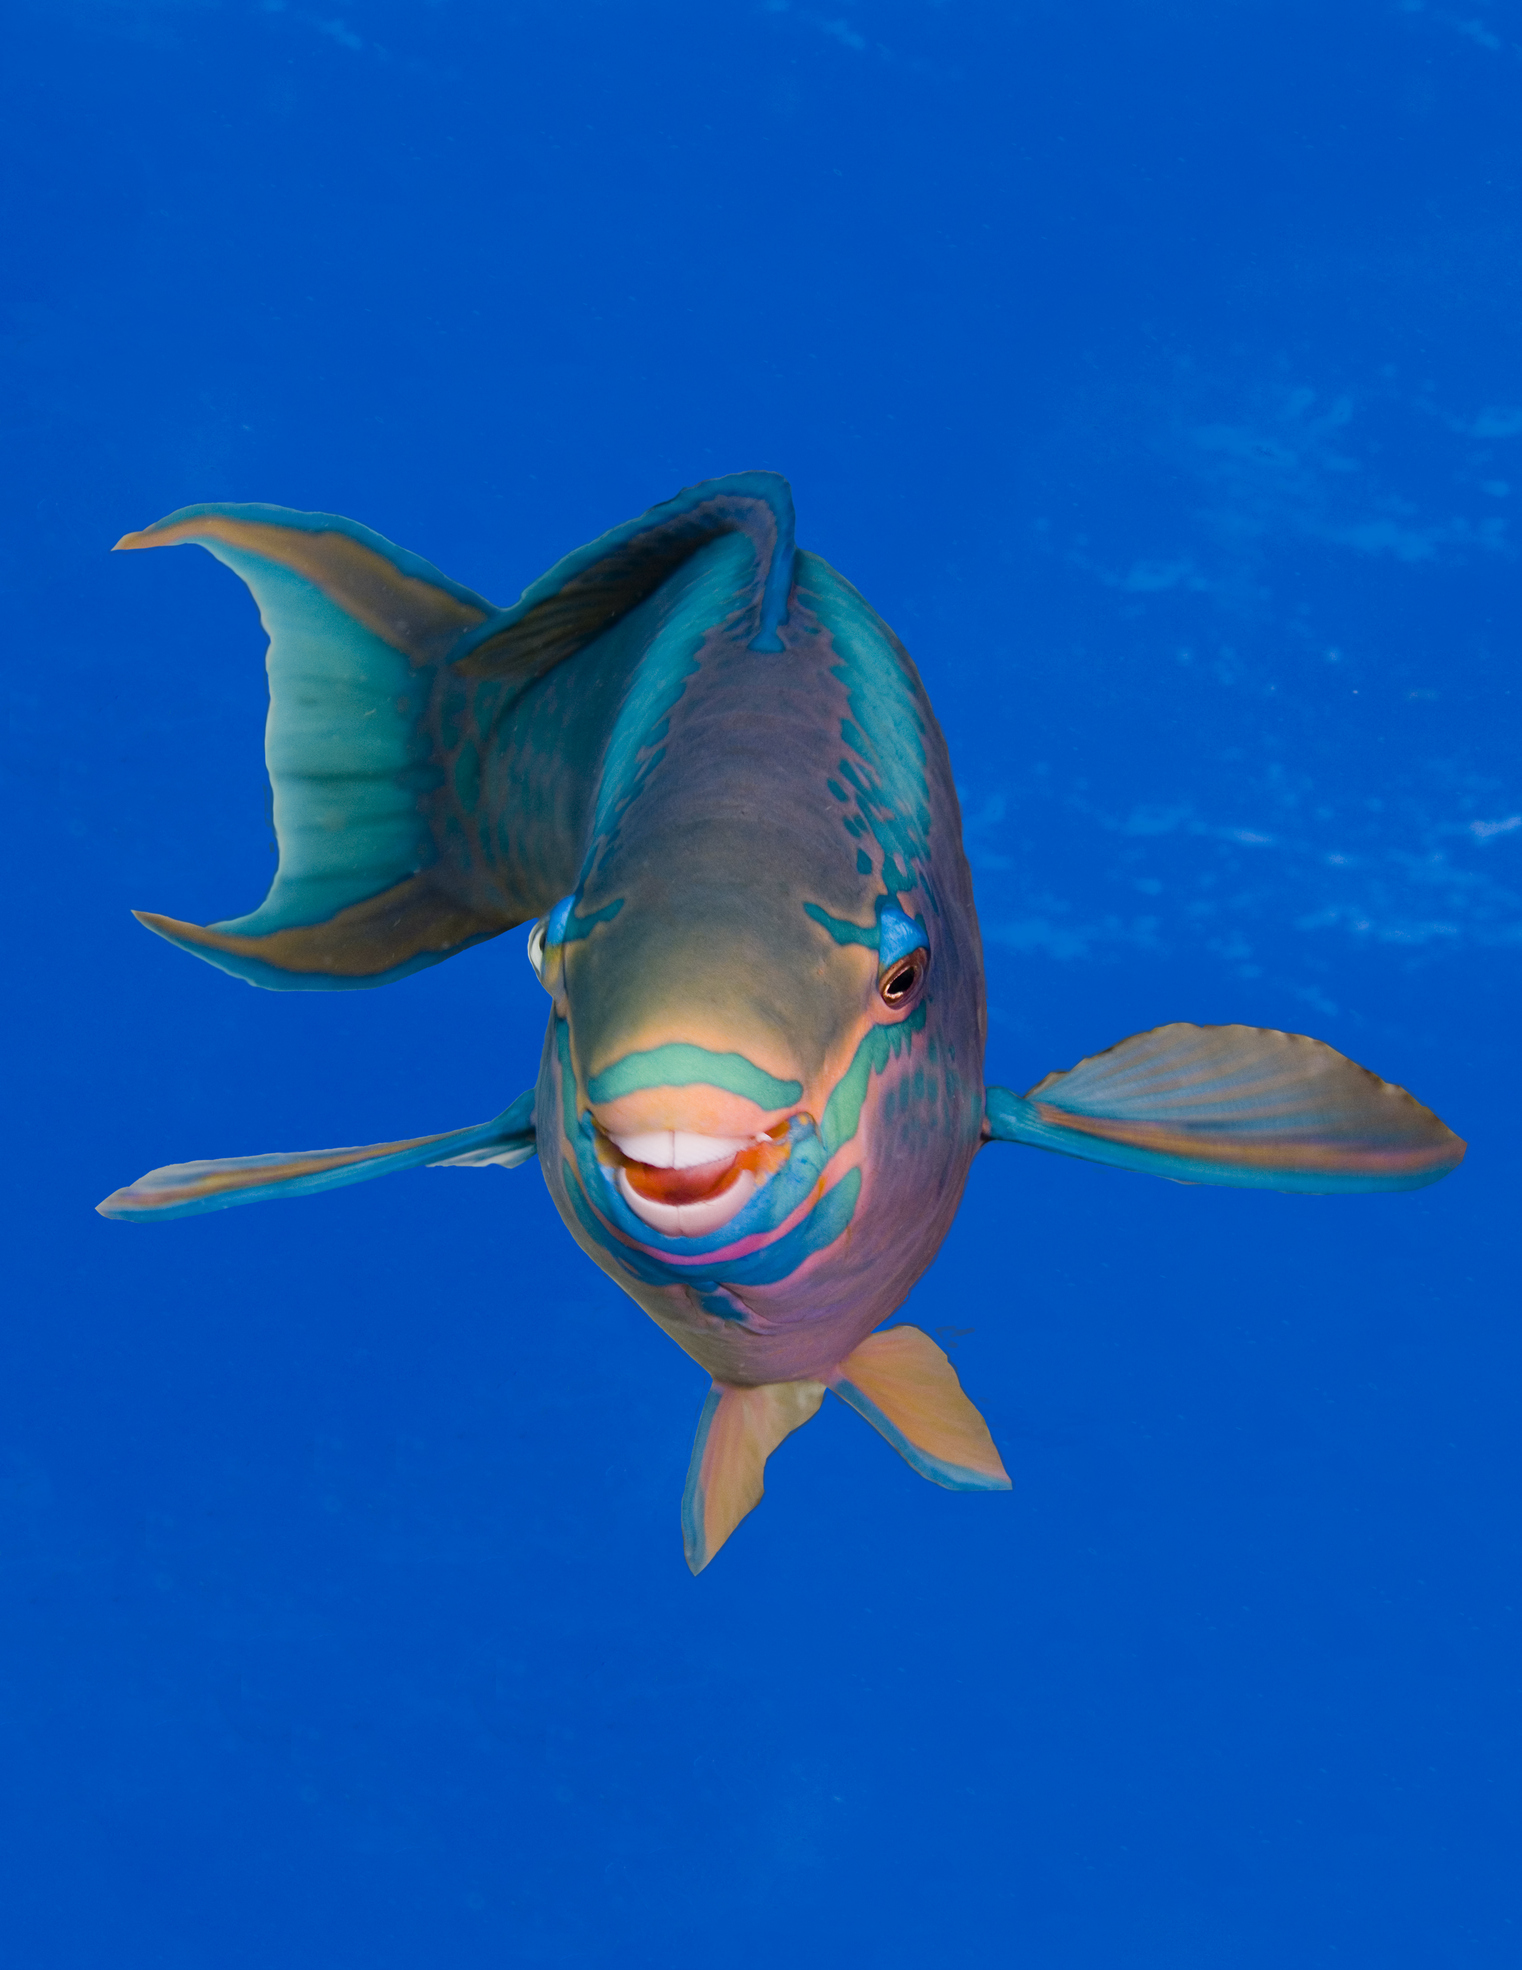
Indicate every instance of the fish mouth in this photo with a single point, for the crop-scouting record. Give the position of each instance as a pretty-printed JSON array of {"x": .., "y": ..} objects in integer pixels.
[{"x": 686, "y": 1185}]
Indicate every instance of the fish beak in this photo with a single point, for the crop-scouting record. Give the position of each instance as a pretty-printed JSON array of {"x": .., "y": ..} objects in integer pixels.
[{"x": 685, "y": 1184}]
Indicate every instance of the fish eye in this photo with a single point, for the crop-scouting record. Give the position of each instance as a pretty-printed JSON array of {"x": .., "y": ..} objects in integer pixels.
[
  {"x": 900, "y": 983},
  {"x": 536, "y": 947}
]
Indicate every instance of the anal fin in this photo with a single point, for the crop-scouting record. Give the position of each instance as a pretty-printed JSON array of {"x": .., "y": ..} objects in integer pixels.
[
  {"x": 902, "y": 1383},
  {"x": 737, "y": 1431}
]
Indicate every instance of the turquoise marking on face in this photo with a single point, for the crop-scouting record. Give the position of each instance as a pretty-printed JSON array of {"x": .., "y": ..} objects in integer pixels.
[
  {"x": 680, "y": 1065},
  {"x": 767, "y": 1267},
  {"x": 567, "y": 1080},
  {"x": 565, "y": 927},
  {"x": 773, "y": 1203},
  {"x": 824, "y": 1224},
  {"x": 892, "y": 937},
  {"x": 842, "y": 1115},
  {"x": 841, "y": 929}
]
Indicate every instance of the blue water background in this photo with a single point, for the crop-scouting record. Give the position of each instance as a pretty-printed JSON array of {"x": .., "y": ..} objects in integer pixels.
[{"x": 1154, "y": 369}]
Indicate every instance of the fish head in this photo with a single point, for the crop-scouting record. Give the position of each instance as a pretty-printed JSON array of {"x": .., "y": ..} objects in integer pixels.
[{"x": 721, "y": 1100}]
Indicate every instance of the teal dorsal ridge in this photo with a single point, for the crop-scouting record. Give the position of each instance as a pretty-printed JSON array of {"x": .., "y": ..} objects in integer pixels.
[{"x": 589, "y": 589}]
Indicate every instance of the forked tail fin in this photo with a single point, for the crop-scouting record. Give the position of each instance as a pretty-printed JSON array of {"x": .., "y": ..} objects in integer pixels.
[{"x": 358, "y": 631}]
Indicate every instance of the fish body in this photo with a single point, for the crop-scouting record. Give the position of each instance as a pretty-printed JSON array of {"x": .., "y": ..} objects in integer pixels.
[
  {"x": 750, "y": 837},
  {"x": 709, "y": 775}
]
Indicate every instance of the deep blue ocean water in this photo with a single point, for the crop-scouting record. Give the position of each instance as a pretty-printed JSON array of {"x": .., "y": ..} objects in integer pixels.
[{"x": 1154, "y": 369}]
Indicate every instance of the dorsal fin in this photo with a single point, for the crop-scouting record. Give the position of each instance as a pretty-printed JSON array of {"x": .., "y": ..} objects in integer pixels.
[
  {"x": 377, "y": 664},
  {"x": 592, "y": 587}
]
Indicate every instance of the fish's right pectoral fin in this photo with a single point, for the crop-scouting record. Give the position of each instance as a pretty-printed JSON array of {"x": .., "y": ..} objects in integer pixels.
[
  {"x": 737, "y": 1431},
  {"x": 1240, "y": 1105},
  {"x": 183, "y": 1190}
]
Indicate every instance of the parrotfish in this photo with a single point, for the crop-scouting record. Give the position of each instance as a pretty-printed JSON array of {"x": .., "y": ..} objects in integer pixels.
[{"x": 707, "y": 773}]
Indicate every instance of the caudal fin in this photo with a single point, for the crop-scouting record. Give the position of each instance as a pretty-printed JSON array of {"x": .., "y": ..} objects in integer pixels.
[{"x": 358, "y": 630}]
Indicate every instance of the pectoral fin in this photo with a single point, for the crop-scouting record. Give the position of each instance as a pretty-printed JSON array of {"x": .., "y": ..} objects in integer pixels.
[
  {"x": 1241, "y": 1105},
  {"x": 737, "y": 1431},
  {"x": 907, "y": 1389},
  {"x": 183, "y": 1190}
]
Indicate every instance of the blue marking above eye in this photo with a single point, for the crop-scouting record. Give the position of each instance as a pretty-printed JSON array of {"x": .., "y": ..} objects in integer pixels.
[
  {"x": 893, "y": 936},
  {"x": 898, "y": 935}
]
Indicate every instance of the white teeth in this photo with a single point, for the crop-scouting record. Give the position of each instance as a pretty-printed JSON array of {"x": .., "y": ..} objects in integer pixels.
[
  {"x": 676, "y": 1149},
  {"x": 687, "y": 1220},
  {"x": 689, "y": 1150}
]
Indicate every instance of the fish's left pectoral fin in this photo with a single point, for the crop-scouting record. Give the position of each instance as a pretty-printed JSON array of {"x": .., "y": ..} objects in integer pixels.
[
  {"x": 1239, "y": 1105},
  {"x": 907, "y": 1389},
  {"x": 737, "y": 1431},
  {"x": 183, "y": 1190}
]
